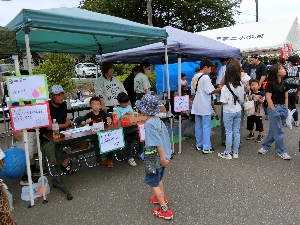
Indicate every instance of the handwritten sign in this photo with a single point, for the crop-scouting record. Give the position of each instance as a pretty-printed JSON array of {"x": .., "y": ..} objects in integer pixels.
[
  {"x": 30, "y": 116},
  {"x": 141, "y": 129},
  {"x": 27, "y": 87},
  {"x": 181, "y": 103},
  {"x": 111, "y": 140}
]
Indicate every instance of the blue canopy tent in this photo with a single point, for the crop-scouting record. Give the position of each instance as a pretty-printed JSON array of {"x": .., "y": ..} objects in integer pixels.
[{"x": 180, "y": 44}]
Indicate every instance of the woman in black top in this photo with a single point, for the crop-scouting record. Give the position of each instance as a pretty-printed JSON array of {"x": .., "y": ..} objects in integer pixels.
[{"x": 277, "y": 98}]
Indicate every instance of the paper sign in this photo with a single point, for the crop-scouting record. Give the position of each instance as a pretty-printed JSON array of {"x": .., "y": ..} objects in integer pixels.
[
  {"x": 181, "y": 103},
  {"x": 30, "y": 116},
  {"x": 27, "y": 88},
  {"x": 141, "y": 128},
  {"x": 111, "y": 140}
]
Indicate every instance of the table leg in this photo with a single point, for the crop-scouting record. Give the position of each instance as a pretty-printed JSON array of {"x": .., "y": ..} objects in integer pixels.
[{"x": 58, "y": 183}]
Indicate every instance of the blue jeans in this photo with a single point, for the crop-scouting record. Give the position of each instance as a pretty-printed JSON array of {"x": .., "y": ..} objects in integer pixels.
[
  {"x": 232, "y": 123},
  {"x": 277, "y": 118},
  {"x": 203, "y": 131},
  {"x": 130, "y": 149}
]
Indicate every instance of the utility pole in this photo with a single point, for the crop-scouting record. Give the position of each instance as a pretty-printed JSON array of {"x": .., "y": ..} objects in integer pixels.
[
  {"x": 149, "y": 10},
  {"x": 256, "y": 1}
]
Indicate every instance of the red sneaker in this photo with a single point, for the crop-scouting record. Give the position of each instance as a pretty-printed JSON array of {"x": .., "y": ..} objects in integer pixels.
[
  {"x": 153, "y": 199},
  {"x": 160, "y": 213},
  {"x": 110, "y": 164},
  {"x": 103, "y": 162}
]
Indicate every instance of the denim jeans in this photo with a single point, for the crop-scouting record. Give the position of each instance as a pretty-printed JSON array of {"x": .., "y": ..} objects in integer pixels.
[
  {"x": 277, "y": 118},
  {"x": 203, "y": 131},
  {"x": 232, "y": 123},
  {"x": 223, "y": 135},
  {"x": 130, "y": 149}
]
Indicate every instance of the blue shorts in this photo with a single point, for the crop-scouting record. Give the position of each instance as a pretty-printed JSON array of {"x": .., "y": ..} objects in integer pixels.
[{"x": 153, "y": 179}]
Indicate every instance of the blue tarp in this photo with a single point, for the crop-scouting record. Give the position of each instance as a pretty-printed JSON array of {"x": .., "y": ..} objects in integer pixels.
[{"x": 194, "y": 46}]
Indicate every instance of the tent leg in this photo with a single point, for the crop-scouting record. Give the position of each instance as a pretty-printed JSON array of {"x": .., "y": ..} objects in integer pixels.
[
  {"x": 28, "y": 53},
  {"x": 179, "y": 93}
]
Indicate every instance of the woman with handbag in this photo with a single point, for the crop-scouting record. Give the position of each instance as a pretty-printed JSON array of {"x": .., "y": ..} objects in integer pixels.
[{"x": 232, "y": 97}]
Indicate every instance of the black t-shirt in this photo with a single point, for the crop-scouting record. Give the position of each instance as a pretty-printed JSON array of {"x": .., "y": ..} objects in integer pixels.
[
  {"x": 101, "y": 117},
  {"x": 260, "y": 70},
  {"x": 129, "y": 86},
  {"x": 278, "y": 97},
  {"x": 58, "y": 113}
]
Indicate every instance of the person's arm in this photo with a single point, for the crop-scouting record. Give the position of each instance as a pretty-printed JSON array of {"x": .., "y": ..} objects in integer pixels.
[
  {"x": 103, "y": 106},
  {"x": 162, "y": 159},
  {"x": 262, "y": 79},
  {"x": 259, "y": 98},
  {"x": 287, "y": 100},
  {"x": 269, "y": 100},
  {"x": 122, "y": 88},
  {"x": 146, "y": 84},
  {"x": 17, "y": 136}
]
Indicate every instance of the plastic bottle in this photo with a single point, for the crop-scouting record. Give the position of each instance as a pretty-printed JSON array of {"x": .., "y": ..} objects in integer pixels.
[
  {"x": 115, "y": 115},
  {"x": 55, "y": 129},
  {"x": 10, "y": 199}
]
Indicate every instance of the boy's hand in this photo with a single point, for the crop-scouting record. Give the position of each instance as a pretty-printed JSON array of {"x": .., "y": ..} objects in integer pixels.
[
  {"x": 68, "y": 122},
  {"x": 164, "y": 162},
  {"x": 109, "y": 121},
  {"x": 88, "y": 121},
  {"x": 17, "y": 136},
  {"x": 128, "y": 113}
]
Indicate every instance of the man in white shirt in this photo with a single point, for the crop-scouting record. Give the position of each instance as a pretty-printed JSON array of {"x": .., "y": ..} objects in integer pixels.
[
  {"x": 202, "y": 107},
  {"x": 222, "y": 70}
]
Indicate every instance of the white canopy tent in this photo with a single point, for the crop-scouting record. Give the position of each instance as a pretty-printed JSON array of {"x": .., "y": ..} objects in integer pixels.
[{"x": 264, "y": 38}]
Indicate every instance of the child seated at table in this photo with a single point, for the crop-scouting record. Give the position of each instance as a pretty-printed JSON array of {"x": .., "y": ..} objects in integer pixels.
[
  {"x": 130, "y": 133},
  {"x": 95, "y": 116}
]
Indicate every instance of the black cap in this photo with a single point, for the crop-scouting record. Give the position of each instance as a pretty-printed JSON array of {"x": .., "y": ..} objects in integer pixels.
[
  {"x": 293, "y": 59},
  {"x": 255, "y": 56}
]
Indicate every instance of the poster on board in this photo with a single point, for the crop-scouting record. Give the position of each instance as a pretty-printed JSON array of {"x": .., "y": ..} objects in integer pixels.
[
  {"x": 141, "y": 129},
  {"x": 27, "y": 88},
  {"x": 111, "y": 140},
  {"x": 181, "y": 103},
  {"x": 30, "y": 116}
]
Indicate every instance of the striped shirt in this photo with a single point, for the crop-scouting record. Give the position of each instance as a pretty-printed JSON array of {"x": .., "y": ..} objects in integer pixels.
[{"x": 292, "y": 79}]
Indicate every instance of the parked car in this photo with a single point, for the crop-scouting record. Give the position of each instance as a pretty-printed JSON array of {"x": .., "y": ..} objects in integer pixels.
[
  {"x": 86, "y": 70},
  {"x": 7, "y": 68}
]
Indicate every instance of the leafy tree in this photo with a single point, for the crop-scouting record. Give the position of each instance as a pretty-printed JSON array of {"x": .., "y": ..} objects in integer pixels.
[
  {"x": 189, "y": 15},
  {"x": 59, "y": 69}
]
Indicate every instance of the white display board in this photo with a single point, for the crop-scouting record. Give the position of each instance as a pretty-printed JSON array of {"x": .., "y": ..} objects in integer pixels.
[
  {"x": 27, "y": 88},
  {"x": 111, "y": 140},
  {"x": 30, "y": 116},
  {"x": 181, "y": 103}
]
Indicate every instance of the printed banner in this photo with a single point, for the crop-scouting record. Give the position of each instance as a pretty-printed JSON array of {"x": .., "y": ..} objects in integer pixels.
[
  {"x": 141, "y": 128},
  {"x": 181, "y": 103},
  {"x": 30, "y": 116},
  {"x": 27, "y": 88},
  {"x": 111, "y": 140}
]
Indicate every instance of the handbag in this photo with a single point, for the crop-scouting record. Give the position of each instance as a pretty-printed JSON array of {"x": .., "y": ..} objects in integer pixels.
[{"x": 249, "y": 108}]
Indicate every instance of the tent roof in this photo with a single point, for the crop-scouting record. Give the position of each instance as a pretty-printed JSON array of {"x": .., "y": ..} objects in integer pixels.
[
  {"x": 78, "y": 31},
  {"x": 179, "y": 42},
  {"x": 261, "y": 37}
]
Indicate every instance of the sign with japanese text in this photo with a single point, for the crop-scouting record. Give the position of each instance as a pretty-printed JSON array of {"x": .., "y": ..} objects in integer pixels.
[
  {"x": 141, "y": 128},
  {"x": 27, "y": 88},
  {"x": 30, "y": 116},
  {"x": 111, "y": 140},
  {"x": 181, "y": 103}
]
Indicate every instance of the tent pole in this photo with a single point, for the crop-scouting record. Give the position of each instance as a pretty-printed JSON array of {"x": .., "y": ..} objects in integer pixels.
[
  {"x": 179, "y": 56},
  {"x": 26, "y": 30}
]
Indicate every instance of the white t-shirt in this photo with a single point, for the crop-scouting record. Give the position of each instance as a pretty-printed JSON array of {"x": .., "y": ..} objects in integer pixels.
[
  {"x": 221, "y": 74},
  {"x": 109, "y": 90},
  {"x": 141, "y": 83},
  {"x": 228, "y": 100},
  {"x": 194, "y": 82},
  {"x": 202, "y": 101}
]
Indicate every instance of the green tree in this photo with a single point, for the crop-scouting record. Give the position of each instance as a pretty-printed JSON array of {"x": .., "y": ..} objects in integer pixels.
[
  {"x": 189, "y": 15},
  {"x": 59, "y": 69}
]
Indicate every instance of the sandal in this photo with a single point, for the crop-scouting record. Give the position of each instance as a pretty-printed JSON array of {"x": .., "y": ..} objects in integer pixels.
[{"x": 67, "y": 169}]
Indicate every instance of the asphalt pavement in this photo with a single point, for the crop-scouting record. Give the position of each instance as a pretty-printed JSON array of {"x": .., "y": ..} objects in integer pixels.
[{"x": 202, "y": 189}]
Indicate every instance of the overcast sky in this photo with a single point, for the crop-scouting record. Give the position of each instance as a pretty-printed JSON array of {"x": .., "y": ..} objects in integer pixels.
[{"x": 268, "y": 9}]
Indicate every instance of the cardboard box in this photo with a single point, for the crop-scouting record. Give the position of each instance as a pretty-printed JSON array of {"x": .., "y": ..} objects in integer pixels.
[{"x": 133, "y": 120}]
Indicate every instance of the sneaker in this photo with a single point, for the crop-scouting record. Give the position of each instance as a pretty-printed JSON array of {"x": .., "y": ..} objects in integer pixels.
[
  {"x": 199, "y": 148},
  {"x": 132, "y": 162},
  {"x": 235, "y": 156},
  {"x": 224, "y": 156},
  {"x": 110, "y": 164},
  {"x": 224, "y": 144},
  {"x": 259, "y": 138},
  {"x": 103, "y": 162},
  {"x": 296, "y": 124},
  {"x": 262, "y": 151},
  {"x": 154, "y": 200},
  {"x": 160, "y": 213},
  {"x": 37, "y": 173},
  {"x": 250, "y": 136},
  {"x": 208, "y": 151},
  {"x": 26, "y": 183},
  {"x": 240, "y": 144},
  {"x": 284, "y": 156},
  {"x": 267, "y": 118}
]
